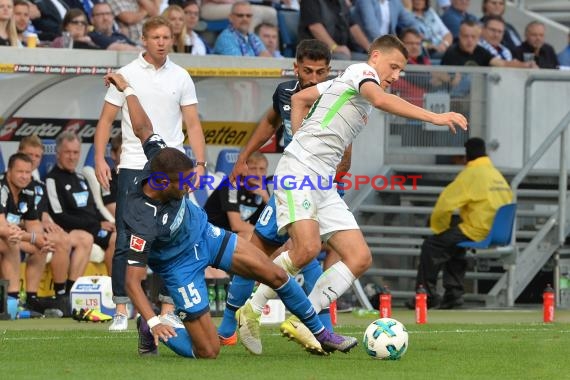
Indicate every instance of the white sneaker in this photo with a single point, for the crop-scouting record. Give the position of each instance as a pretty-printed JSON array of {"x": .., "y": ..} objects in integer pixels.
[
  {"x": 248, "y": 327},
  {"x": 172, "y": 320},
  {"x": 120, "y": 322}
]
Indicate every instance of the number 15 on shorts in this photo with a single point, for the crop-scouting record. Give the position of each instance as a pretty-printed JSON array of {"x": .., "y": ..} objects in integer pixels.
[{"x": 190, "y": 295}]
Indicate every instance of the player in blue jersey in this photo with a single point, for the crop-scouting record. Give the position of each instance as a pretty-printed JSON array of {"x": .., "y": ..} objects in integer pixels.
[
  {"x": 312, "y": 66},
  {"x": 172, "y": 236}
]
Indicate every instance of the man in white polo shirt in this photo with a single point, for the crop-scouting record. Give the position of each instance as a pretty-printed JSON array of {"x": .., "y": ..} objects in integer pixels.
[{"x": 168, "y": 95}]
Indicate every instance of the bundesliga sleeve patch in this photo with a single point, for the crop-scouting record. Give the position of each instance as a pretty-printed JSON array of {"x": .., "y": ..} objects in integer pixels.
[{"x": 137, "y": 243}]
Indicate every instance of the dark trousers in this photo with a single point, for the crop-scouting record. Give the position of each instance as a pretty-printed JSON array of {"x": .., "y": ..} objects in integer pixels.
[
  {"x": 441, "y": 252},
  {"x": 126, "y": 178}
]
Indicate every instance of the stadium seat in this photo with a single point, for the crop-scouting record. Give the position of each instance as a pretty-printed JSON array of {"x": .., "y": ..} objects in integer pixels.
[
  {"x": 213, "y": 29},
  {"x": 226, "y": 160},
  {"x": 48, "y": 160},
  {"x": 217, "y": 25},
  {"x": 90, "y": 157},
  {"x": 288, "y": 24},
  {"x": 501, "y": 230}
]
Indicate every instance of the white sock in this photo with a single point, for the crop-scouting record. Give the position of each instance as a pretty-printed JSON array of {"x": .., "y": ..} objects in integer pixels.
[
  {"x": 264, "y": 292},
  {"x": 331, "y": 285}
]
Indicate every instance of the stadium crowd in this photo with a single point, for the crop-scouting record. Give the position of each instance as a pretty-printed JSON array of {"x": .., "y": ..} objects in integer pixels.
[{"x": 254, "y": 28}]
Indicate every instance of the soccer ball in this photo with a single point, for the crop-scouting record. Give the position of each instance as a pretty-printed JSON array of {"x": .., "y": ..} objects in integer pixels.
[{"x": 386, "y": 338}]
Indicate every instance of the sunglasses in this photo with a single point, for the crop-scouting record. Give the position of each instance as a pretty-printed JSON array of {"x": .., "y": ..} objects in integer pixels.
[
  {"x": 243, "y": 15},
  {"x": 78, "y": 22}
]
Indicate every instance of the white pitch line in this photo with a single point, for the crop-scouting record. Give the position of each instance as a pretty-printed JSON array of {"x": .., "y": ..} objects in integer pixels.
[
  {"x": 122, "y": 335},
  {"x": 472, "y": 331}
]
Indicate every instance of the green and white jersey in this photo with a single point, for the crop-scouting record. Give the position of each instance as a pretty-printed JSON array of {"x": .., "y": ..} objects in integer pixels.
[{"x": 334, "y": 120}]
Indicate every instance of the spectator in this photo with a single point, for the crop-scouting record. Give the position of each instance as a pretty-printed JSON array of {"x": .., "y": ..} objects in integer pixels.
[
  {"x": 468, "y": 52},
  {"x": 103, "y": 34},
  {"x": 457, "y": 14},
  {"x": 75, "y": 22},
  {"x": 22, "y": 21},
  {"x": 534, "y": 45},
  {"x": 194, "y": 43},
  {"x": 379, "y": 17},
  {"x": 564, "y": 56},
  {"x": 329, "y": 21},
  {"x": 71, "y": 202},
  {"x": 477, "y": 191},
  {"x": 47, "y": 17},
  {"x": 511, "y": 38},
  {"x": 18, "y": 203},
  {"x": 236, "y": 38},
  {"x": 110, "y": 195},
  {"x": 436, "y": 36},
  {"x": 8, "y": 33},
  {"x": 413, "y": 41},
  {"x": 222, "y": 9},
  {"x": 237, "y": 210},
  {"x": 23, "y": 230},
  {"x": 492, "y": 35},
  {"x": 71, "y": 250},
  {"x": 10, "y": 237},
  {"x": 413, "y": 85},
  {"x": 130, "y": 15},
  {"x": 269, "y": 35},
  {"x": 175, "y": 15}
]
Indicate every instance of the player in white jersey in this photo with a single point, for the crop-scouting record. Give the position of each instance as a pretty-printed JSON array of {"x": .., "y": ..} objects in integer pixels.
[{"x": 314, "y": 213}]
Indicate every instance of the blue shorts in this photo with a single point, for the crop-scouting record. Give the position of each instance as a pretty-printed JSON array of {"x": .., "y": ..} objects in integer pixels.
[
  {"x": 266, "y": 226},
  {"x": 184, "y": 275}
]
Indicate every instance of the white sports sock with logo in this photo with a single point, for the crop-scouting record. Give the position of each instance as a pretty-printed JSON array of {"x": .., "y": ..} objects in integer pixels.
[
  {"x": 331, "y": 285},
  {"x": 264, "y": 292}
]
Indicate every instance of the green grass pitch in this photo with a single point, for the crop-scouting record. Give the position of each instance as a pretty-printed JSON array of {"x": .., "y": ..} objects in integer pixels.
[{"x": 464, "y": 344}]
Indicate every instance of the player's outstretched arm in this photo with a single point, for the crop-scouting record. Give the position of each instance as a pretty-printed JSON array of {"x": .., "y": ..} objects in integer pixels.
[
  {"x": 262, "y": 133},
  {"x": 301, "y": 103},
  {"x": 398, "y": 106},
  {"x": 142, "y": 126}
]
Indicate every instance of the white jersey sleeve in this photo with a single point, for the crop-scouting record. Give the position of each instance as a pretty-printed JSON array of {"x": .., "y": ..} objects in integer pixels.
[{"x": 334, "y": 120}]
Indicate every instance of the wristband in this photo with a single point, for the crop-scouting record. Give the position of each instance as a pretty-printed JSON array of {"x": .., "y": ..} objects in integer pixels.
[
  {"x": 333, "y": 47},
  {"x": 32, "y": 238},
  {"x": 153, "y": 322},
  {"x": 129, "y": 91}
]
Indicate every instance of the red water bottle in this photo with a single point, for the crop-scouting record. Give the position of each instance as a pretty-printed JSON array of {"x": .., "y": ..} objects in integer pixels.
[
  {"x": 332, "y": 311},
  {"x": 385, "y": 303},
  {"x": 421, "y": 305},
  {"x": 548, "y": 304}
]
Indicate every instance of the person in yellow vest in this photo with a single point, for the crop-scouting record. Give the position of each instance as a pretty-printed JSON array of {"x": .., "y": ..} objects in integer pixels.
[{"x": 477, "y": 192}]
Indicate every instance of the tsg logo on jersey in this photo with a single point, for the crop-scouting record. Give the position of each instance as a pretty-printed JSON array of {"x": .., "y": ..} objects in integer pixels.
[
  {"x": 137, "y": 243},
  {"x": 81, "y": 198}
]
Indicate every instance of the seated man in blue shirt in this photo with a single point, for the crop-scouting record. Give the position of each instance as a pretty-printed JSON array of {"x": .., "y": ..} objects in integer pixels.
[
  {"x": 236, "y": 38},
  {"x": 456, "y": 14},
  {"x": 103, "y": 34},
  {"x": 172, "y": 235}
]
